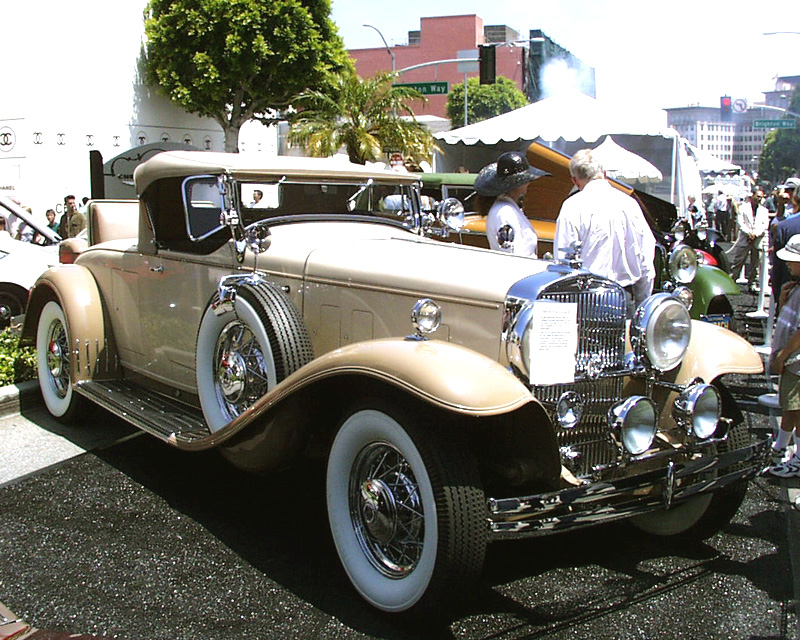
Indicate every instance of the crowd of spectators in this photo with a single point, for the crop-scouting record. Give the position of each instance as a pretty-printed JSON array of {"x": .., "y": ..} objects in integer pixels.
[{"x": 69, "y": 225}]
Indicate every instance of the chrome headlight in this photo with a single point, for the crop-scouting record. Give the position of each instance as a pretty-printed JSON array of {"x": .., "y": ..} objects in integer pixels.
[
  {"x": 683, "y": 264},
  {"x": 660, "y": 331},
  {"x": 702, "y": 233},
  {"x": 518, "y": 341},
  {"x": 451, "y": 214},
  {"x": 698, "y": 410},
  {"x": 685, "y": 295},
  {"x": 426, "y": 316},
  {"x": 634, "y": 420},
  {"x": 679, "y": 231}
]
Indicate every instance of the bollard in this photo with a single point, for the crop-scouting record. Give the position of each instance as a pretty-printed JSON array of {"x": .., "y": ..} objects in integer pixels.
[
  {"x": 763, "y": 281},
  {"x": 766, "y": 348}
]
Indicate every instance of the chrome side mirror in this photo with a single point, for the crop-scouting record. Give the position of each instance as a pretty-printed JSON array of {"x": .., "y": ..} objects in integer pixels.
[{"x": 258, "y": 237}]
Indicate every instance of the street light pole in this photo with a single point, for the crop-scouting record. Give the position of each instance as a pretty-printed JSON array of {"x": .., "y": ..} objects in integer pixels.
[{"x": 391, "y": 53}]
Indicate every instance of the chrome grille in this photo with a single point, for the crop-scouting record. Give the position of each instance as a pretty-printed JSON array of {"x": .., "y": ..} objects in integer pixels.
[
  {"x": 601, "y": 320},
  {"x": 601, "y": 348}
]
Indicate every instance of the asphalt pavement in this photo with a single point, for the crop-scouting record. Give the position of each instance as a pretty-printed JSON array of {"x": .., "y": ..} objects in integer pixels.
[{"x": 108, "y": 532}]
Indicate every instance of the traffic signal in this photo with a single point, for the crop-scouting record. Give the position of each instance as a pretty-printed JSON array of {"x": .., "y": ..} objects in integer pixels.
[
  {"x": 487, "y": 54},
  {"x": 725, "y": 108}
]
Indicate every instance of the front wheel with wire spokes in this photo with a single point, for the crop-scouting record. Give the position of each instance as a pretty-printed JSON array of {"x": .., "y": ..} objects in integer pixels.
[
  {"x": 407, "y": 512},
  {"x": 245, "y": 349}
]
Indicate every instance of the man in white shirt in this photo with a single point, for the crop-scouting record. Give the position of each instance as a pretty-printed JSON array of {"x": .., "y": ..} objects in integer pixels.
[
  {"x": 753, "y": 220},
  {"x": 501, "y": 187},
  {"x": 616, "y": 241}
]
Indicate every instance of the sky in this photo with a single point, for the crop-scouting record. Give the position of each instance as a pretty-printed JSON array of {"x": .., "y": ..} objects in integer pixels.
[{"x": 651, "y": 54}]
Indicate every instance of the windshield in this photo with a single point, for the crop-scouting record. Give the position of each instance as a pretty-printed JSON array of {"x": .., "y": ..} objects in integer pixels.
[{"x": 396, "y": 203}]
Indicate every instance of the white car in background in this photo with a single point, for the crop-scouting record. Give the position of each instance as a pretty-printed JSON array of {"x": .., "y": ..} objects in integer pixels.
[{"x": 21, "y": 262}]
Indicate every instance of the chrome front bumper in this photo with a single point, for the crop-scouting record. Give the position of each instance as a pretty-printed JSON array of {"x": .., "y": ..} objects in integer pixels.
[{"x": 604, "y": 501}]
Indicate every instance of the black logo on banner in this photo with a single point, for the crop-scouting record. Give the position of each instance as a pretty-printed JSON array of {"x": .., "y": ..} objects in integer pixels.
[{"x": 7, "y": 139}]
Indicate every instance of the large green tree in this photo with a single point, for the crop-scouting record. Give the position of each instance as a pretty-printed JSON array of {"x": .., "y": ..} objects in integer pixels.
[
  {"x": 780, "y": 157},
  {"x": 235, "y": 60},
  {"x": 483, "y": 100},
  {"x": 367, "y": 117}
]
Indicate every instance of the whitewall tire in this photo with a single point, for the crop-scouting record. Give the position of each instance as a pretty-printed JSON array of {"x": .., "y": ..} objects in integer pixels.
[
  {"x": 406, "y": 512},
  {"x": 53, "y": 363},
  {"x": 244, "y": 350}
]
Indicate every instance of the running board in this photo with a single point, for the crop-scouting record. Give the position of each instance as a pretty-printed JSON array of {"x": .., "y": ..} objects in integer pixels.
[{"x": 147, "y": 410}]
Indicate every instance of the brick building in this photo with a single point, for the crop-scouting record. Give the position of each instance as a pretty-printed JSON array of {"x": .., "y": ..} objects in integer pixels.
[{"x": 519, "y": 58}]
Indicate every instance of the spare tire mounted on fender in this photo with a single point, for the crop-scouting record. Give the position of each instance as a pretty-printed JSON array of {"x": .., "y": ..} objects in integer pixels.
[{"x": 245, "y": 349}]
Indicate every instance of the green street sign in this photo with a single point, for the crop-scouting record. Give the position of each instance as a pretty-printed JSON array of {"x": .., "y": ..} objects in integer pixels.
[
  {"x": 427, "y": 88},
  {"x": 774, "y": 124}
]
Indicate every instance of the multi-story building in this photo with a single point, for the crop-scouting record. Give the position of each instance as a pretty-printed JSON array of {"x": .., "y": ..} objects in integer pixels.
[
  {"x": 739, "y": 139},
  {"x": 527, "y": 61}
]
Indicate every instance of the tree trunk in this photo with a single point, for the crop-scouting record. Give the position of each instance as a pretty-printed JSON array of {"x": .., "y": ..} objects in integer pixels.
[{"x": 231, "y": 138}]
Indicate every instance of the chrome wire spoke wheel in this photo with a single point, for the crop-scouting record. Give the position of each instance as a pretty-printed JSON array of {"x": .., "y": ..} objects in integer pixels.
[
  {"x": 386, "y": 510},
  {"x": 245, "y": 349},
  {"x": 58, "y": 357},
  {"x": 406, "y": 510},
  {"x": 54, "y": 364},
  {"x": 241, "y": 375}
]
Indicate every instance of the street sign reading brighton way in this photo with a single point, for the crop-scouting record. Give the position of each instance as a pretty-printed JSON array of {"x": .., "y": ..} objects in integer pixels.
[
  {"x": 774, "y": 124},
  {"x": 427, "y": 88}
]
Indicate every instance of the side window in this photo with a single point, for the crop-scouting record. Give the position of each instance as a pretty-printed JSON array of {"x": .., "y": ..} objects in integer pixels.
[
  {"x": 393, "y": 202},
  {"x": 202, "y": 203}
]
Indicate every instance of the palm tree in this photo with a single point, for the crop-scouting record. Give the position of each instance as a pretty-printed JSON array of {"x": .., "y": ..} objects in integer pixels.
[{"x": 364, "y": 117}]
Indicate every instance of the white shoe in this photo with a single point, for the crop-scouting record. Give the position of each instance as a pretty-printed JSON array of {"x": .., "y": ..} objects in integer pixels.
[
  {"x": 788, "y": 469},
  {"x": 777, "y": 457}
]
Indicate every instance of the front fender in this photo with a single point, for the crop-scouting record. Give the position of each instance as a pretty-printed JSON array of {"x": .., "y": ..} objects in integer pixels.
[
  {"x": 710, "y": 283},
  {"x": 75, "y": 289},
  {"x": 714, "y": 351},
  {"x": 444, "y": 376}
]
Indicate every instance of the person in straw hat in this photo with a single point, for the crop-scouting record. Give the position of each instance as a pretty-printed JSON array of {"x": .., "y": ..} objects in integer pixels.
[
  {"x": 501, "y": 188},
  {"x": 785, "y": 361}
]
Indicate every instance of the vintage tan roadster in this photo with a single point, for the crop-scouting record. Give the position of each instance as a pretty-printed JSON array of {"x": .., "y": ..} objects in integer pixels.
[{"x": 289, "y": 309}]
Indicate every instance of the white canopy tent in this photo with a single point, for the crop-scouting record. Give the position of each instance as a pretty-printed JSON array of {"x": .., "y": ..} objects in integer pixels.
[
  {"x": 570, "y": 121},
  {"x": 625, "y": 165},
  {"x": 569, "y": 116},
  {"x": 709, "y": 163}
]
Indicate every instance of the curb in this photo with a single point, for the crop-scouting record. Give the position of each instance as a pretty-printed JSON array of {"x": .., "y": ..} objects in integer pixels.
[{"x": 15, "y": 396}]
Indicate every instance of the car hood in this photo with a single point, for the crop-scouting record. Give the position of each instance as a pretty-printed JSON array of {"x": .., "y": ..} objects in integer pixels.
[{"x": 402, "y": 262}]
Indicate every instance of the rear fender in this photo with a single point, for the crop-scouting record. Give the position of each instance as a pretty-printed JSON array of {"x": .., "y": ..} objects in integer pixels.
[{"x": 75, "y": 289}]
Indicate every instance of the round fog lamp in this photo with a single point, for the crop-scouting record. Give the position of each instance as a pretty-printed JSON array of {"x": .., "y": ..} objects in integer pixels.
[
  {"x": 698, "y": 408},
  {"x": 569, "y": 409},
  {"x": 426, "y": 316},
  {"x": 685, "y": 295},
  {"x": 634, "y": 419}
]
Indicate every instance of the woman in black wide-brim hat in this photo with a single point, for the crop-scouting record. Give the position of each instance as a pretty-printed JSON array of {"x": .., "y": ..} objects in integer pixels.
[{"x": 501, "y": 187}]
